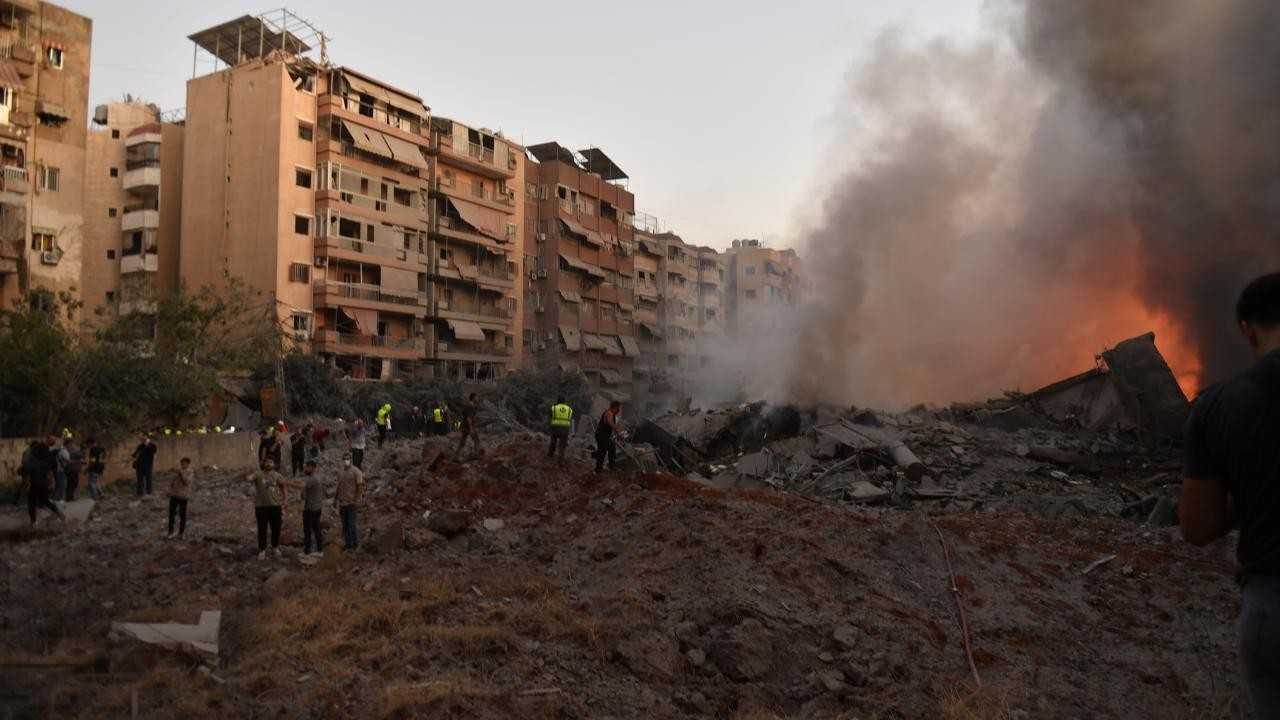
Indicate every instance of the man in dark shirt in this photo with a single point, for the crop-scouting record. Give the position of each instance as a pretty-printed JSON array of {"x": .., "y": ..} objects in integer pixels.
[
  {"x": 298, "y": 449},
  {"x": 39, "y": 468},
  {"x": 1233, "y": 472},
  {"x": 144, "y": 459},
  {"x": 468, "y": 429},
  {"x": 607, "y": 437}
]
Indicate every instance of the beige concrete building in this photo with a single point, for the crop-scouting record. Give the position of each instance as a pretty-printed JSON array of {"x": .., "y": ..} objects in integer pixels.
[
  {"x": 477, "y": 234},
  {"x": 760, "y": 278},
  {"x": 580, "y": 267},
  {"x": 133, "y": 211},
  {"x": 44, "y": 86},
  {"x": 309, "y": 181}
]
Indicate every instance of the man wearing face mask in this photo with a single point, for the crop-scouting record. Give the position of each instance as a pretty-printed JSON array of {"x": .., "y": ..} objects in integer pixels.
[{"x": 347, "y": 498}]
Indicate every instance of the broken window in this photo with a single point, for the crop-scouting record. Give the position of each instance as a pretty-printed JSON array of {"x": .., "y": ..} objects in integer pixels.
[
  {"x": 115, "y": 133},
  {"x": 111, "y": 254},
  {"x": 607, "y": 210},
  {"x": 349, "y": 228},
  {"x": 477, "y": 188},
  {"x": 56, "y": 56},
  {"x": 402, "y": 197},
  {"x": 301, "y": 322}
]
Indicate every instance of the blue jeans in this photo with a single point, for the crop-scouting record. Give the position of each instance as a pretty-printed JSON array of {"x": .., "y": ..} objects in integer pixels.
[
  {"x": 350, "y": 537},
  {"x": 59, "y": 484},
  {"x": 95, "y": 490},
  {"x": 1260, "y": 645}
]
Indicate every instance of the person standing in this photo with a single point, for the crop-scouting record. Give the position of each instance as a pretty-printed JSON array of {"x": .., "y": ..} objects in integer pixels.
[
  {"x": 179, "y": 493},
  {"x": 269, "y": 500},
  {"x": 298, "y": 450},
  {"x": 417, "y": 421},
  {"x": 561, "y": 424},
  {"x": 347, "y": 499},
  {"x": 607, "y": 436},
  {"x": 24, "y": 479},
  {"x": 1230, "y": 480},
  {"x": 39, "y": 470},
  {"x": 440, "y": 419},
  {"x": 97, "y": 465},
  {"x": 383, "y": 421},
  {"x": 72, "y": 468},
  {"x": 312, "y": 505},
  {"x": 144, "y": 458},
  {"x": 319, "y": 434},
  {"x": 468, "y": 428},
  {"x": 357, "y": 437},
  {"x": 61, "y": 458}
]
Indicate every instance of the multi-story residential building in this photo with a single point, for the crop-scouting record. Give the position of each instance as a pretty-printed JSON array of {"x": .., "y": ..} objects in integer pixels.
[
  {"x": 580, "y": 267},
  {"x": 309, "y": 181},
  {"x": 133, "y": 211},
  {"x": 44, "y": 97},
  {"x": 760, "y": 278},
  {"x": 680, "y": 315},
  {"x": 477, "y": 232}
]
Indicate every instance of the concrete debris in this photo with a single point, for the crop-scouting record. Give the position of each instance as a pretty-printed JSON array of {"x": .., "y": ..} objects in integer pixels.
[
  {"x": 450, "y": 522},
  {"x": 494, "y": 524},
  {"x": 200, "y": 639}
]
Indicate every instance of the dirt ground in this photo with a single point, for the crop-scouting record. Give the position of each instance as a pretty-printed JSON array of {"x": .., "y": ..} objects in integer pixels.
[{"x": 568, "y": 595}]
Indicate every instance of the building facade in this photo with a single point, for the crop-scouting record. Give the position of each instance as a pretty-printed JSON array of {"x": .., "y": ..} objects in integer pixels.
[
  {"x": 579, "y": 296},
  {"x": 44, "y": 98},
  {"x": 133, "y": 211},
  {"x": 476, "y": 241},
  {"x": 760, "y": 279}
]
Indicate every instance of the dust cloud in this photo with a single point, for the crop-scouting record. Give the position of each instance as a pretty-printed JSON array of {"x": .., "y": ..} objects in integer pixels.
[{"x": 1005, "y": 208}]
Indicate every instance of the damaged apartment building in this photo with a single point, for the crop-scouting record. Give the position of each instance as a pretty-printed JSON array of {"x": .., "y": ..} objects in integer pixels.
[
  {"x": 579, "y": 250},
  {"x": 680, "y": 317},
  {"x": 760, "y": 278},
  {"x": 44, "y": 98}
]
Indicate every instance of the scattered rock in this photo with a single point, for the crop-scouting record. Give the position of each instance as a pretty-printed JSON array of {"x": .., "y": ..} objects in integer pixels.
[
  {"x": 868, "y": 492},
  {"x": 696, "y": 657},
  {"x": 686, "y": 632},
  {"x": 832, "y": 681},
  {"x": 846, "y": 636},
  {"x": 450, "y": 522},
  {"x": 747, "y": 654},
  {"x": 649, "y": 654},
  {"x": 388, "y": 540},
  {"x": 276, "y": 580},
  {"x": 494, "y": 524}
]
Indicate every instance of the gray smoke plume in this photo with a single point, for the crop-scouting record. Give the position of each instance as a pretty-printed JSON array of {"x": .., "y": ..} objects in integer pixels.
[{"x": 1088, "y": 171}]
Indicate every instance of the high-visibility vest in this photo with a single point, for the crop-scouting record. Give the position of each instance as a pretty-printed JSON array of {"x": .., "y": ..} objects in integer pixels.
[
  {"x": 217, "y": 428},
  {"x": 561, "y": 415},
  {"x": 168, "y": 431},
  {"x": 66, "y": 433},
  {"x": 383, "y": 412},
  {"x": 438, "y": 415}
]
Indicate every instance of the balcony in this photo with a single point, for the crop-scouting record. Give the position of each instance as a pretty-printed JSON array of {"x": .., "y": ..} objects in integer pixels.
[
  {"x": 462, "y": 350},
  {"x": 132, "y": 261},
  {"x": 478, "y": 159},
  {"x": 21, "y": 52},
  {"x": 142, "y": 176},
  {"x": 410, "y": 215},
  {"x": 367, "y": 250},
  {"x": 140, "y": 217},
  {"x": 406, "y": 348},
  {"x": 374, "y": 297},
  {"x": 456, "y": 228},
  {"x": 14, "y": 180},
  {"x": 444, "y": 309}
]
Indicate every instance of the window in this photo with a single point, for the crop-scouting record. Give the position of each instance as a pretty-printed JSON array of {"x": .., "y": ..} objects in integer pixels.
[
  {"x": 401, "y": 196},
  {"x": 50, "y": 178},
  {"x": 306, "y": 132},
  {"x": 477, "y": 188},
  {"x": 302, "y": 178},
  {"x": 301, "y": 321},
  {"x": 55, "y": 56},
  {"x": 111, "y": 254},
  {"x": 111, "y": 212},
  {"x": 302, "y": 224},
  {"x": 749, "y": 270},
  {"x": 751, "y": 294},
  {"x": 299, "y": 273},
  {"x": 43, "y": 242},
  {"x": 115, "y": 172},
  {"x": 111, "y": 296},
  {"x": 115, "y": 133}
]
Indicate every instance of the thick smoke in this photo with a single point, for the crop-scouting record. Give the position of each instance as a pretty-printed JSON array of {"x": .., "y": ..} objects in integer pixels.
[{"x": 1091, "y": 170}]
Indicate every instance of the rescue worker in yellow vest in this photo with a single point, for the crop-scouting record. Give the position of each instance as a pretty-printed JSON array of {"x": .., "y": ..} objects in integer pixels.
[
  {"x": 440, "y": 420},
  {"x": 561, "y": 425},
  {"x": 383, "y": 422}
]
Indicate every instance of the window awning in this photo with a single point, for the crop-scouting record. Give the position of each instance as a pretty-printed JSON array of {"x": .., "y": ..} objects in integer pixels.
[
  {"x": 365, "y": 87},
  {"x": 9, "y": 77},
  {"x": 52, "y": 109},
  {"x": 590, "y": 236},
  {"x": 571, "y": 337},
  {"x": 405, "y": 152},
  {"x": 629, "y": 345},
  {"x": 370, "y": 141},
  {"x": 773, "y": 267},
  {"x": 448, "y": 272},
  {"x": 407, "y": 104},
  {"x": 487, "y": 222},
  {"x": 583, "y": 266},
  {"x": 611, "y": 377},
  {"x": 654, "y": 330},
  {"x": 469, "y": 272},
  {"x": 464, "y": 330},
  {"x": 366, "y": 320},
  {"x": 570, "y": 296},
  {"x": 594, "y": 342},
  {"x": 611, "y": 346},
  {"x": 627, "y": 307}
]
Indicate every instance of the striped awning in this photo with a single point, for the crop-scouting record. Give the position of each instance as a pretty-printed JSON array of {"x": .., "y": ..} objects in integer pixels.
[{"x": 9, "y": 77}]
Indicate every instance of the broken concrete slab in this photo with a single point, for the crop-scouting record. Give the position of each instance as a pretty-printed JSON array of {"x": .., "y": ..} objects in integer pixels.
[
  {"x": 450, "y": 522},
  {"x": 867, "y": 492},
  {"x": 200, "y": 639}
]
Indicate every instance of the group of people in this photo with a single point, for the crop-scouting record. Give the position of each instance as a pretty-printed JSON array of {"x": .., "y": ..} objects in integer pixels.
[{"x": 50, "y": 475}]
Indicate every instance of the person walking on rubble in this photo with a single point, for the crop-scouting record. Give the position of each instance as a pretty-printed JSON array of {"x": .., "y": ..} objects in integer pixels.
[
  {"x": 383, "y": 422},
  {"x": 357, "y": 437},
  {"x": 607, "y": 436},
  {"x": 468, "y": 429},
  {"x": 39, "y": 471},
  {"x": 561, "y": 425},
  {"x": 312, "y": 506},
  {"x": 179, "y": 494},
  {"x": 346, "y": 499},
  {"x": 297, "y": 450},
  {"x": 269, "y": 500},
  {"x": 1232, "y": 478},
  {"x": 97, "y": 465},
  {"x": 440, "y": 419}
]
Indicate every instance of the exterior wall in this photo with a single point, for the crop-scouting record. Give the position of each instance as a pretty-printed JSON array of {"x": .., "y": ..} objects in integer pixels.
[
  {"x": 760, "y": 278},
  {"x": 38, "y": 140},
  {"x": 172, "y": 144},
  {"x": 225, "y": 451}
]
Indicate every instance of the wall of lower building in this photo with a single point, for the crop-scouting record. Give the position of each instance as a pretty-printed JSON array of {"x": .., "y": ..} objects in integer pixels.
[{"x": 225, "y": 450}]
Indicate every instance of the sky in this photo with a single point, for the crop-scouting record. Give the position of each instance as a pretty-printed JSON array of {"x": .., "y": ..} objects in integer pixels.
[{"x": 721, "y": 119}]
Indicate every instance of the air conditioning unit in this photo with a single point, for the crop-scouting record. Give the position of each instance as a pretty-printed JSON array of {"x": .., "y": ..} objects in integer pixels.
[
  {"x": 542, "y": 237},
  {"x": 49, "y": 257},
  {"x": 542, "y": 272}
]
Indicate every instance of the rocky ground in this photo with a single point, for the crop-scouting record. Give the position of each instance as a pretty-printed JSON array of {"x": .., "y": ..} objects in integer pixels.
[{"x": 505, "y": 587}]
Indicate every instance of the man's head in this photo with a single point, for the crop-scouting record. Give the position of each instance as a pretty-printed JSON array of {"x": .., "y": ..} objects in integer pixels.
[
  {"x": 269, "y": 464},
  {"x": 309, "y": 467},
  {"x": 359, "y": 423},
  {"x": 1258, "y": 313},
  {"x": 185, "y": 463},
  {"x": 91, "y": 442},
  {"x": 346, "y": 459},
  {"x": 474, "y": 398},
  {"x": 560, "y": 400},
  {"x": 616, "y": 405}
]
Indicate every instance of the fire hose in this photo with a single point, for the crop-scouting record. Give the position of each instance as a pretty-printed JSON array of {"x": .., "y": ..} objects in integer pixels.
[{"x": 955, "y": 593}]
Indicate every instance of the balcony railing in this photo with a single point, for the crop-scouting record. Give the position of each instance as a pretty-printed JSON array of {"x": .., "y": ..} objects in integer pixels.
[
  {"x": 367, "y": 248},
  {"x": 136, "y": 164},
  {"x": 463, "y": 348},
  {"x": 374, "y": 293},
  {"x": 440, "y": 306},
  {"x": 390, "y": 342},
  {"x": 496, "y": 274},
  {"x": 14, "y": 179},
  {"x": 480, "y": 153}
]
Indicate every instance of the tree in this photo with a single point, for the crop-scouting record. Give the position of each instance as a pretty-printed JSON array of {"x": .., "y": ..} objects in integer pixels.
[{"x": 42, "y": 370}]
